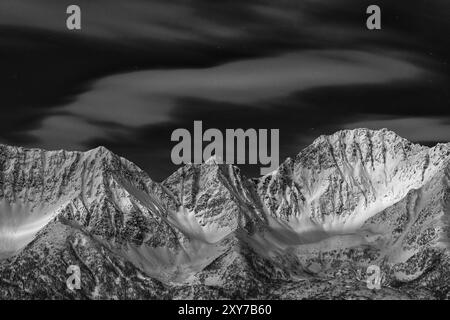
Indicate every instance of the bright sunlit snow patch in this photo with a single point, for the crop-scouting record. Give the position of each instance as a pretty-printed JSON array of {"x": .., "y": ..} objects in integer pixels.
[{"x": 18, "y": 225}]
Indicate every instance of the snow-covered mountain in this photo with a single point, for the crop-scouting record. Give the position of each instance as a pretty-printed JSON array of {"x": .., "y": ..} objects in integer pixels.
[{"x": 309, "y": 229}]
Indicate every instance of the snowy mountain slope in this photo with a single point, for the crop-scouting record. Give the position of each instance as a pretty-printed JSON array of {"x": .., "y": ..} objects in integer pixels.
[
  {"x": 309, "y": 229},
  {"x": 39, "y": 271},
  {"x": 342, "y": 180}
]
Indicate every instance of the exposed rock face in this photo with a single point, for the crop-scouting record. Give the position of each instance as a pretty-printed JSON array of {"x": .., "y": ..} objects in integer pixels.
[{"x": 308, "y": 230}]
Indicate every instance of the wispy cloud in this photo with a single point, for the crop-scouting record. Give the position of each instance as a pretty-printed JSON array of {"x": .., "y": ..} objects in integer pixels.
[
  {"x": 148, "y": 97},
  {"x": 420, "y": 129}
]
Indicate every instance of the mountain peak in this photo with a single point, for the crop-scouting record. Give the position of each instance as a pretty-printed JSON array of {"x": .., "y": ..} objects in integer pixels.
[
  {"x": 360, "y": 135},
  {"x": 364, "y": 145},
  {"x": 100, "y": 150},
  {"x": 215, "y": 159},
  {"x": 100, "y": 153}
]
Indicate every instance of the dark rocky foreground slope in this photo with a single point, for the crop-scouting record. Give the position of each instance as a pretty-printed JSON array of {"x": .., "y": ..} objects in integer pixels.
[{"x": 308, "y": 230}]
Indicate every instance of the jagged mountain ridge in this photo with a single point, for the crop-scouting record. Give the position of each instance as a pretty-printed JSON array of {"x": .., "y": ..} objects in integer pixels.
[{"x": 341, "y": 204}]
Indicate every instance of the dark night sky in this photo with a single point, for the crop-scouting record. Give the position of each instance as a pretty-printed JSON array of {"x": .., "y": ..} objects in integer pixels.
[{"x": 139, "y": 69}]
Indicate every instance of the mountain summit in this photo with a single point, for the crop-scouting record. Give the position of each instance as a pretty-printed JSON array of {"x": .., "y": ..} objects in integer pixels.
[{"x": 310, "y": 229}]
